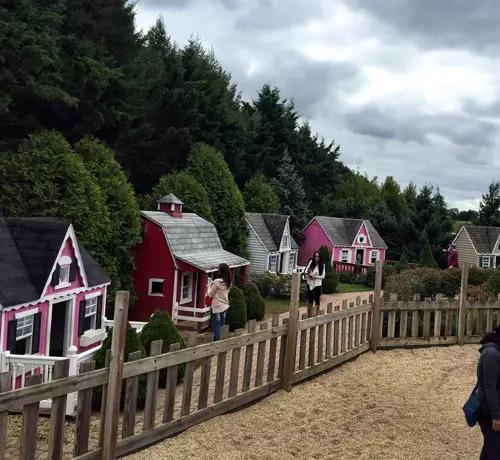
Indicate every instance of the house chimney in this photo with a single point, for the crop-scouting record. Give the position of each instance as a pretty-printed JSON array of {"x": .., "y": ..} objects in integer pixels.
[{"x": 171, "y": 205}]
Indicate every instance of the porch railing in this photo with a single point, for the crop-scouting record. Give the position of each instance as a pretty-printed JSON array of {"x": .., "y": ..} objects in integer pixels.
[{"x": 345, "y": 267}]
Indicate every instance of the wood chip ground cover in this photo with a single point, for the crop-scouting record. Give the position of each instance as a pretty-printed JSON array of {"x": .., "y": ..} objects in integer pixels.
[{"x": 391, "y": 405}]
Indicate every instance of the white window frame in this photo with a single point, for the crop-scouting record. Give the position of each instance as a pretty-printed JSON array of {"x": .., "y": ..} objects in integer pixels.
[
  {"x": 188, "y": 286},
  {"x": 361, "y": 239},
  {"x": 150, "y": 288},
  {"x": 273, "y": 257},
  {"x": 346, "y": 252},
  {"x": 292, "y": 257},
  {"x": 484, "y": 259},
  {"x": 26, "y": 323},
  {"x": 91, "y": 312},
  {"x": 375, "y": 253},
  {"x": 65, "y": 268}
]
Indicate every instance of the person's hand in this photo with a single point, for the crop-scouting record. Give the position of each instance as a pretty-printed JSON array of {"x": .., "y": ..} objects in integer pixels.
[{"x": 496, "y": 425}]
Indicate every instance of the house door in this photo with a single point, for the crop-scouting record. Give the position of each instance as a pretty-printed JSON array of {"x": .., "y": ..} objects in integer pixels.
[
  {"x": 360, "y": 256},
  {"x": 497, "y": 261},
  {"x": 282, "y": 263},
  {"x": 58, "y": 329}
]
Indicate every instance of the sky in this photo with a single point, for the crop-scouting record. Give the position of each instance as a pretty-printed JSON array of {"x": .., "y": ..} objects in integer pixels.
[{"x": 406, "y": 88}]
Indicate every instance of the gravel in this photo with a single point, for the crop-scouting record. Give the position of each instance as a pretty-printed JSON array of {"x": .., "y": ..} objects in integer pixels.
[{"x": 391, "y": 405}]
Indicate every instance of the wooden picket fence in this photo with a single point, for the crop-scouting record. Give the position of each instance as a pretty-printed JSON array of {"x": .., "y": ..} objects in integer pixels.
[{"x": 229, "y": 374}]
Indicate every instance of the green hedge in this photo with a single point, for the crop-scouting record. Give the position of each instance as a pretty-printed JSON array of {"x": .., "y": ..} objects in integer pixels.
[
  {"x": 256, "y": 305},
  {"x": 331, "y": 280},
  {"x": 237, "y": 312},
  {"x": 274, "y": 286}
]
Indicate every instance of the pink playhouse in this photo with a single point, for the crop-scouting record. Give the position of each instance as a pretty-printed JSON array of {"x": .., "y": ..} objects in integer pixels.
[
  {"x": 52, "y": 292},
  {"x": 350, "y": 241}
]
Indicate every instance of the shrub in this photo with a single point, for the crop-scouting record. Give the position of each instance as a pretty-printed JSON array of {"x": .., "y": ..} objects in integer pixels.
[
  {"x": 274, "y": 286},
  {"x": 237, "y": 313},
  {"x": 132, "y": 344},
  {"x": 478, "y": 276},
  {"x": 426, "y": 258},
  {"x": 256, "y": 306},
  {"x": 492, "y": 285},
  {"x": 352, "y": 278},
  {"x": 161, "y": 327},
  {"x": 331, "y": 278},
  {"x": 402, "y": 265},
  {"x": 369, "y": 279},
  {"x": 404, "y": 284}
]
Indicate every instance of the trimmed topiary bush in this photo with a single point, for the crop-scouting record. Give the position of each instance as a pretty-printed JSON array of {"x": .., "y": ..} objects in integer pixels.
[
  {"x": 426, "y": 258},
  {"x": 237, "y": 313},
  {"x": 132, "y": 344},
  {"x": 256, "y": 305},
  {"x": 331, "y": 278},
  {"x": 161, "y": 327},
  {"x": 402, "y": 265}
]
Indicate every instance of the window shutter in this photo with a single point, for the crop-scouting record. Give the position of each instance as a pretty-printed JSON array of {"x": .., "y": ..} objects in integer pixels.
[
  {"x": 37, "y": 324},
  {"x": 81, "y": 318},
  {"x": 56, "y": 275},
  {"x": 11, "y": 336},
  {"x": 98, "y": 320},
  {"x": 72, "y": 271}
]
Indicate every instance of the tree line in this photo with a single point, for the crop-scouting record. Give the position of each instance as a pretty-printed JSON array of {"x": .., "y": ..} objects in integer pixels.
[{"x": 96, "y": 117}]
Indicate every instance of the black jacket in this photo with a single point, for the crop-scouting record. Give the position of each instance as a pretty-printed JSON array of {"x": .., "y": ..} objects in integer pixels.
[{"x": 488, "y": 377}]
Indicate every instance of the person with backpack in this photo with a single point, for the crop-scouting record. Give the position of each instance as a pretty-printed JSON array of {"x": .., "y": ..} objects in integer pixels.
[
  {"x": 315, "y": 272},
  {"x": 218, "y": 298},
  {"x": 488, "y": 395}
]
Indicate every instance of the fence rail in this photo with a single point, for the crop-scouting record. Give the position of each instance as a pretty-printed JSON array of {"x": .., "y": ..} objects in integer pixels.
[{"x": 223, "y": 375}]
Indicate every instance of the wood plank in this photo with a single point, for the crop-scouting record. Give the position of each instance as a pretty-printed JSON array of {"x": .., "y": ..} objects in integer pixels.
[
  {"x": 57, "y": 414},
  {"x": 470, "y": 322},
  {"x": 281, "y": 362},
  {"x": 364, "y": 317},
  {"x": 291, "y": 337},
  {"x": 391, "y": 324},
  {"x": 220, "y": 374},
  {"x": 375, "y": 318},
  {"x": 369, "y": 325},
  {"x": 83, "y": 414},
  {"x": 417, "y": 341},
  {"x": 381, "y": 323},
  {"x": 462, "y": 312},
  {"x": 4, "y": 416},
  {"x": 204, "y": 383},
  {"x": 329, "y": 317},
  {"x": 188, "y": 378},
  {"x": 115, "y": 374},
  {"x": 130, "y": 405},
  {"x": 102, "y": 425},
  {"x": 489, "y": 320},
  {"x": 235, "y": 368},
  {"x": 321, "y": 340},
  {"x": 480, "y": 323},
  {"x": 30, "y": 422},
  {"x": 427, "y": 323},
  {"x": 343, "y": 335},
  {"x": 171, "y": 385},
  {"x": 312, "y": 342},
  {"x": 437, "y": 323},
  {"x": 273, "y": 347},
  {"x": 448, "y": 326},
  {"x": 329, "y": 330},
  {"x": 247, "y": 375},
  {"x": 357, "y": 330},
  {"x": 415, "y": 323},
  {"x": 261, "y": 355},
  {"x": 152, "y": 389},
  {"x": 303, "y": 346},
  {"x": 350, "y": 329},
  {"x": 403, "y": 323}
]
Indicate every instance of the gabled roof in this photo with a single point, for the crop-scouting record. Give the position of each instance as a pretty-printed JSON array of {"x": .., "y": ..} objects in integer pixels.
[
  {"x": 270, "y": 228},
  {"x": 483, "y": 239},
  {"x": 170, "y": 199},
  {"x": 342, "y": 232},
  {"x": 28, "y": 250},
  {"x": 194, "y": 240}
]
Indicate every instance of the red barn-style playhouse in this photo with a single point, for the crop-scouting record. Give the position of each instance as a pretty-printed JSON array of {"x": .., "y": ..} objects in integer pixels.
[{"x": 178, "y": 253}]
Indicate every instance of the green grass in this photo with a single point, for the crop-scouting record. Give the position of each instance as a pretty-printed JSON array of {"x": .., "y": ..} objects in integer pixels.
[{"x": 344, "y": 288}]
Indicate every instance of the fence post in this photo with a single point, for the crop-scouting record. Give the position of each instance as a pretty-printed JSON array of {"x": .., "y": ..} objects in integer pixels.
[
  {"x": 379, "y": 266},
  {"x": 462, "y": 308},
  {"x": 115, "y": 376},
  {"x": 291, "y": 338},
  {"x": 73, "y": 370}
]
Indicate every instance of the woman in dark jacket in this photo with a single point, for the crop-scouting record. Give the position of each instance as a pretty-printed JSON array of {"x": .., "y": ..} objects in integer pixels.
[{"x": 488, "y": 392}]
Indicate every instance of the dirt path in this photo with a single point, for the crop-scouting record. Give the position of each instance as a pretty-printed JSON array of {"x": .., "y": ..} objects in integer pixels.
[{"x": 391, "y": 405}]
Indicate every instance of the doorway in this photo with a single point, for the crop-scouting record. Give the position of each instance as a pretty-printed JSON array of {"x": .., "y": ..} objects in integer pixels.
[
  {"x": 360, "y": 257},
  {"x": 58, "y": 329}
]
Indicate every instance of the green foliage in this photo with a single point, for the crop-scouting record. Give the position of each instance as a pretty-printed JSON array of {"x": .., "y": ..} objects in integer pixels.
[
  {"x": 492, "y": 285},
  {"x": 256, "y": 305},
  {"x": 185, "y": 187},
  {"x": 123, "y": 210},
  {"x": 208, "y": 166},
  {"x": 47, "y": 178},
  {"x": 161, "y": 327},
  {"x": 369, "y": 278},
  {"x": 426, "y": 258},
  {"x": 402, "y": 264},
  {"x": 260, "y": 196},
  {"x": 237, "y": 312},
  {"x": 331, "y": 278},
  {"x": 132, "y": 345},
  {"x": 478, "y": 276},
  {"x": 489, "y": 207}
]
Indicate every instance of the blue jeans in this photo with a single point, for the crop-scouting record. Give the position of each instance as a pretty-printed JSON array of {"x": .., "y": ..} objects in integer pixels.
[{"x": 218, "y": 320}]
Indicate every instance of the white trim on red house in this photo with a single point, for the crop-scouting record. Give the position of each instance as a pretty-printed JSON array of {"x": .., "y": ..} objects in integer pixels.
[{"x": 71, "y": 235}]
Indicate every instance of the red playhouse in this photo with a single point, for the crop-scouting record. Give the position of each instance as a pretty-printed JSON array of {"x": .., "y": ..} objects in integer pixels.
[{"x": 178, "y": 253}]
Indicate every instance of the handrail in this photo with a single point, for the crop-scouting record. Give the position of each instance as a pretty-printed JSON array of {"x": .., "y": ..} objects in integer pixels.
[{"x": 32, "y": 359}]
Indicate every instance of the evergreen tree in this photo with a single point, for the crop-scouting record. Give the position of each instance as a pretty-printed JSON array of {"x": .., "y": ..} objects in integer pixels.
[
  {"x": 260, "y": 196},
  {"x": 228, "y": 209},
  {"x": 387, "y": 226},
  {"x": 489, "y": 207},
  {"x": 185, "y": 187},
  {"x": 391, "y": 193},
  {"x": 426, "y": 258},
  {"x": 402, "y": 264},
  {"x": 237, "y": 312},
  {"x": 292, "y": 196}
]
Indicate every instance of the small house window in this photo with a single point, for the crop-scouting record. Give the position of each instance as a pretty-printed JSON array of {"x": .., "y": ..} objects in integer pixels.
[
  {"x": 273, "y": 263},
  {"x": 345, "y": 255},
  {"x": 187, "y": 287},
  {"x": 156, "y": 287},
  {"x": 285, "y": 241},
  {"x": 291, "y": 262},
  {"x": 24, "y": 335},
  {"x": 374, "y": 255},
  {"x": 90, "y": 313},
  {"x": 486, "y": 262},
  {"x": 361, "y": 239}
]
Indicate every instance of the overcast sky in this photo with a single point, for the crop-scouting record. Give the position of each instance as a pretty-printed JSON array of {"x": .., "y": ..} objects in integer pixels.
[{"x": 407, "y": 88}]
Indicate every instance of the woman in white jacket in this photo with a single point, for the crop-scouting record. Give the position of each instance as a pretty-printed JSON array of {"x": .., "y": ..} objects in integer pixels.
[{"x": 315, "y": 272}]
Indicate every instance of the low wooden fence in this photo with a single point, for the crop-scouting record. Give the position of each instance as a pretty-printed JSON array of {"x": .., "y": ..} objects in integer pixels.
[{"x": 220, "y": 376}]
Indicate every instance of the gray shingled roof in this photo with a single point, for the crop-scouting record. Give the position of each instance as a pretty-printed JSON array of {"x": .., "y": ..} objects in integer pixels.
[
  {"x": 28, "y": 250},
  {"x": 483, "y": 238},
  {"x": 343, "y": 231},
  {"x": 269, "y": 228},
  {"x": 194, "y": 240},
  {"x": 170, "y": 199}
]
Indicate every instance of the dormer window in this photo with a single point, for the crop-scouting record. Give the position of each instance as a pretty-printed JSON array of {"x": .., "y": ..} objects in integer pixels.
[{"x": 65, "y": 273}]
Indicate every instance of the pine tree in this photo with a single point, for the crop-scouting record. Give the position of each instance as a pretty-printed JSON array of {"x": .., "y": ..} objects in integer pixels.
[
  {"x": 489, "y": 207},
  {"x": 291, "y": 193},
  {"x": 260, "y": 196},
  {"x": 426, "y": 258}
]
